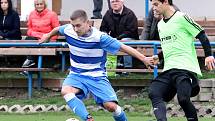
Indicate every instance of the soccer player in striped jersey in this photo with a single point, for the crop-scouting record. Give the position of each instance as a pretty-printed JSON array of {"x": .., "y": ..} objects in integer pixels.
[
  {"x": 88, "y": 50},
  {"x": 177, "y": 32}
]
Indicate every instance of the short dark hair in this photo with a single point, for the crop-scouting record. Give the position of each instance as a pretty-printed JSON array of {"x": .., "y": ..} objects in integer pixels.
[
  {"x": 170, "y": 1},
  {"x": 79, "y": 14}
]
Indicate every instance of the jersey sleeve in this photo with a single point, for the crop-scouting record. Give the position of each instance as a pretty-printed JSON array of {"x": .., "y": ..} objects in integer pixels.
[
  {"x": 61, "y": 29},
  {"x": 110, "y": 44},
  {"x": 191, "y": 26}
]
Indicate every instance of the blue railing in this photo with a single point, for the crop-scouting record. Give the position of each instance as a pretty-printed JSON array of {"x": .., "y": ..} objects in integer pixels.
[
  {"x": 33, "y": 44},
  {"x": 64, "y": 44},
  {"x": 154, "y": 44}
]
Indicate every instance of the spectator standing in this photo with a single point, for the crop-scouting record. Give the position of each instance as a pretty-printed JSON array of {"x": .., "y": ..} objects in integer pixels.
[
  {"x": 177, "y": 32},
  {"x": 98, "y": 5},
  {"x": 9, "y": 22},
  {"x": 40, "y": 21},
  {"x": 121, "y": 23},
  {"x": 88, "y": 51}
]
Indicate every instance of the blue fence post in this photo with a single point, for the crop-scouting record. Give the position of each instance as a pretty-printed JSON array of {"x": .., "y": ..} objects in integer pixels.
[
  {"x": 156, "y": 67},
  {"x": 63, "y": 59},
  {"x": 39, "y": 81},
  {"x": 146, "y": 8},
  {"x": 30, "y": 85}
]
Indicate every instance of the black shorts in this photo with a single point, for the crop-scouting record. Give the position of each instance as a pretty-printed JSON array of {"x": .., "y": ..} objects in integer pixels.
[{"x": 171, "y": 78}]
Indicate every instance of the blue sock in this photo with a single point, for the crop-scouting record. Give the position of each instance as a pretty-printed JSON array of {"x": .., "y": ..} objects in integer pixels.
[
  {"x": 76, "y": 105},
  {"x": 119, "y": 115}
]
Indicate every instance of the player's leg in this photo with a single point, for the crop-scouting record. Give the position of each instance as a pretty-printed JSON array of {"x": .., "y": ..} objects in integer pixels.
[
  {"x": 159, "y": 92},
  {"x": 184, "y": 89},
  {"x": 73, "y": 90},
  {"x": 118, "y": 113},
  {"x": 105, "y": 95}
]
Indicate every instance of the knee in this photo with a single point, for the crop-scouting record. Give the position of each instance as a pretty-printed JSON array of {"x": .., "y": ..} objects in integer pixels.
[
  {"x": 67, "y": 89},
  {"x": 183, "y": 99},
  {"x": 152, "y": 94},
  {"x": 110, "y": 106},
  {"x": 64, "y": 91}
]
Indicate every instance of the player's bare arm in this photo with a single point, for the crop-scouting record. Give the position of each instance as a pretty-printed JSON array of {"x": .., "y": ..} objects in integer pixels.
[
  {"x": 46, "y": 37},
  {"x": 148, "y": 61}
]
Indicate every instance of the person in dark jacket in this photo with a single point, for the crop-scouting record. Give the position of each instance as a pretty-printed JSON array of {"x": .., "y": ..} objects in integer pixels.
[
  {"x": 9, "y": 22},
  {"x": 9, "y": 25},
  {"x": 121, "y": 23},
  {"x": 150, "y": 31}
]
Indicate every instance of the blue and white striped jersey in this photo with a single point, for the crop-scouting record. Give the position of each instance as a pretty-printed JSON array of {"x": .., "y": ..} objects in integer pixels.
[{"x": 88, "y": 54}]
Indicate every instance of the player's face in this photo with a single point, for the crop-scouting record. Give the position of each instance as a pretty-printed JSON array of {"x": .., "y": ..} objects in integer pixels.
[
  {"x": 4, "y": 5},
  {"x": 116, "y": 5},
  {"x": 157, "y": 7},
  {"x": 39, "y": 5},
  {"x": 80, "y": 26},
  {"x": 158, "y": 16}
]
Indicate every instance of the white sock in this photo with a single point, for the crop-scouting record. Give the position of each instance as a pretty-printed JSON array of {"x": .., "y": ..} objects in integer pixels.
[
  {"x": 69, "y": 96},
  {"x": 118, "y": 111}
]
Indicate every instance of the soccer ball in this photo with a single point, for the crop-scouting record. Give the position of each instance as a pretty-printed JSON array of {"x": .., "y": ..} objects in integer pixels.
[{"x": 72, "y": 119}]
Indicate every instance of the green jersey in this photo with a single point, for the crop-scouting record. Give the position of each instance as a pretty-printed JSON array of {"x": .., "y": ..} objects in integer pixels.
[{"x": 177, "y": 37}]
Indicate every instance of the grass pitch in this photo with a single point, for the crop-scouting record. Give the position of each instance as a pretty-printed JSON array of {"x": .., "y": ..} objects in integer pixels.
[{"x": 62, "y": 116}]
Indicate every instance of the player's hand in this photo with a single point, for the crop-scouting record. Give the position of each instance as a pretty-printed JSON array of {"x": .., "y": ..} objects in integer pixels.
[
  {"x": 210, "y": 62},
  {"x": 149, "y": 62},
  {"x": 44, "y": 38},
  {"x": 156, "y": 60}
]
